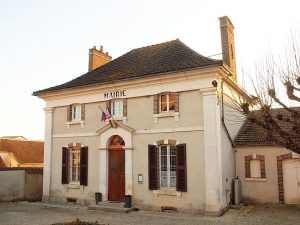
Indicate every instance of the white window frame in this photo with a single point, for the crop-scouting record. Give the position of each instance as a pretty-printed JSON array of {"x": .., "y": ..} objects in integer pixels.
[
  {"x": 76, "y": 112},
  {"x": 113, "y": 108},
  {"x": 168, "y": 103},
  {"x": 168, "y": 168},
  {"x": 77, "y": 168}
]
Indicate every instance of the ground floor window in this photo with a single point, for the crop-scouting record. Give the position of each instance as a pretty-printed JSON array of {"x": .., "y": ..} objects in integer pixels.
[
  {"x": 255, "y": 166},
  {"x": 167, "y": 166},
  {"x": 74, "y": 164}
]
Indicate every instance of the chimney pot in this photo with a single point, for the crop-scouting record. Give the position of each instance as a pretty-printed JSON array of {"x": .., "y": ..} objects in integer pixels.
[{"x": 98, "y": 58}]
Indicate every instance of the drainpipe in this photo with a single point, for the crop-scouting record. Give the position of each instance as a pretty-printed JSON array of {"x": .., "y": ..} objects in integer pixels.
[
  {"x": 228, "y": 191},
  {"x": 223, "y": 122}
]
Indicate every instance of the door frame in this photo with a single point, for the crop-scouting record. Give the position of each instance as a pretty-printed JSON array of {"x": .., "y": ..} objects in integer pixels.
[{"x": 105, "y": 134}]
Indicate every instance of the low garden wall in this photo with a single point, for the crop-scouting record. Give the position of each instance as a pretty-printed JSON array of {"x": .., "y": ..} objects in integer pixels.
[{"x": 18, "y": 184}]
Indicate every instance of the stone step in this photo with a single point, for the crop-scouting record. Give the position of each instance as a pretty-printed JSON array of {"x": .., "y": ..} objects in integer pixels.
[{"x": 110, "y": 207}]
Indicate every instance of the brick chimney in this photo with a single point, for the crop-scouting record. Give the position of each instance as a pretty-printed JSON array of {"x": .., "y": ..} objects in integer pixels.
[
  {"x": 227, "y": 39},
  {"x": 98, "y": 58}
]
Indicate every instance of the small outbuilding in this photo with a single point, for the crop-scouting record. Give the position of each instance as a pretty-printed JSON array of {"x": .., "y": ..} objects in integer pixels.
[{"x": 269, "y": 173}]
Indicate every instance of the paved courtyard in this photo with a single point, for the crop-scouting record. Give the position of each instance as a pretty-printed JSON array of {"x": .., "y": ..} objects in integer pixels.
[{"x": 23, "y": 213}]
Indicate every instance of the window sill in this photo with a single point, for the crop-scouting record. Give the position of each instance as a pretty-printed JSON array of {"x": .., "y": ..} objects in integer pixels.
[
  {"x": 81, "y": 122},
  {"x": 73, "y": 185},
  {"x": 166, "y": 114},
  {"x": 170, "y": 192},
  {"x": 258, "y": 179}
]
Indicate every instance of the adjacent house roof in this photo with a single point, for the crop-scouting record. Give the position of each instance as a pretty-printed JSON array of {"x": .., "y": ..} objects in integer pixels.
[
  {"x": 14, "y": 137},
  {"x": 2, "y": 164},
  {"x": 253, "y": 134},
  {"x": 165, "y": 57},
  {"x": 24, "y": 151}
]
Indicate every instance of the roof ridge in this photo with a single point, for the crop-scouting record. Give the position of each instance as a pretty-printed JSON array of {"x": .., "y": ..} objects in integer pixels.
[{"x": 162, "y": 43}]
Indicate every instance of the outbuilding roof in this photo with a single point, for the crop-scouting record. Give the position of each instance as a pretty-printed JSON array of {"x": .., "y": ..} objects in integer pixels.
[
  {"x": 253, "y": 134},
  {"x": 24, "y": 151},
  {"x": 14, "y": 137},
  {"x": 141, "y": 62},
  {"x": 2, "y": 164}
]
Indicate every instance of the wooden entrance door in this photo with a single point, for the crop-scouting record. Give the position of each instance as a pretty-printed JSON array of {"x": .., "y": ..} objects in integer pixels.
[{"x": 116, "y": 184}]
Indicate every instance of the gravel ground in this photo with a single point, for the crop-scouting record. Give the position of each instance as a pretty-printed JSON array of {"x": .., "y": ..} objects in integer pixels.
[{"x": 23, "y": 213}]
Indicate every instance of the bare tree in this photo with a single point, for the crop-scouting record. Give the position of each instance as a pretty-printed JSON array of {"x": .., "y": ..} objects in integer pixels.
[{"x": 275, "y": 81}]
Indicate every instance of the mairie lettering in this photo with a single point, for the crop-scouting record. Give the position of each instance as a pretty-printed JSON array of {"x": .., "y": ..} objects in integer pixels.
[{"x": 115, "y": 94}]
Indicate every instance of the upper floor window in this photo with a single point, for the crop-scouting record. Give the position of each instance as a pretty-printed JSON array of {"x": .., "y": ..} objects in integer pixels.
[
  {"x": 166, "y": 102},
  {"x": 76, "y": 112},
  {"x": 116, "y": 108}
]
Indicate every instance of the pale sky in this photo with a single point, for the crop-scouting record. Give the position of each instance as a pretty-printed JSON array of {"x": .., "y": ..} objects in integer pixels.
[{"x": 45, "y": 43}]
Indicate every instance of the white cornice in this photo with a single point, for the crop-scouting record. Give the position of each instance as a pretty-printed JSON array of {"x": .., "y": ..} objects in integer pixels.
[
  {"x": 158, "y": 79},
  {"x": 178, "y": 82},
  {"x": 144, "y": 131}
]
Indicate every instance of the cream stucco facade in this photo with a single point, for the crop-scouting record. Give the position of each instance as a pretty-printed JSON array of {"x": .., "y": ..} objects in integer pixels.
[{"x": 209, "y": 155}]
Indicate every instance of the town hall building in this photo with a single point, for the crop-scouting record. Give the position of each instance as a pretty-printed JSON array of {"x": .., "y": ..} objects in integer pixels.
[{"x": 148, "y": 124}]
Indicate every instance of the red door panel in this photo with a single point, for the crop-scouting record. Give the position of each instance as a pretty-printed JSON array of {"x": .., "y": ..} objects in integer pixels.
[{"x": 116, "y": 185}]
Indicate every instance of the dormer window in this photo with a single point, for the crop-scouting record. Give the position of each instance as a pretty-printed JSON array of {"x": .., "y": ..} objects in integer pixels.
[{"x": 166, "y": 102}]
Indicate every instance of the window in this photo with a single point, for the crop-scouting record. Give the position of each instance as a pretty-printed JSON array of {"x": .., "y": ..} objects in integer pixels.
[
  {"x": 167, "y": 166},
  {"x": 74, "y": 164},
  {"x": 167, "y": 102},
  {"x": 116, "y": 108},
  {"x": 255, "y": 168},
  {"x": 76, "y": 112}
]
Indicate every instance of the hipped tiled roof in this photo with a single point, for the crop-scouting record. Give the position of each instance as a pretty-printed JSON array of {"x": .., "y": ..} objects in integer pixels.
[
  {"x": 141, "y": 62},
  {"x": 252, "y": 134},
  {"x": 24, "y": 151}
]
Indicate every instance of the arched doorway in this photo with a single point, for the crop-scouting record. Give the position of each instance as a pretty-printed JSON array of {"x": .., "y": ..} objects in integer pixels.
[{"x": 116, "y": 169}]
